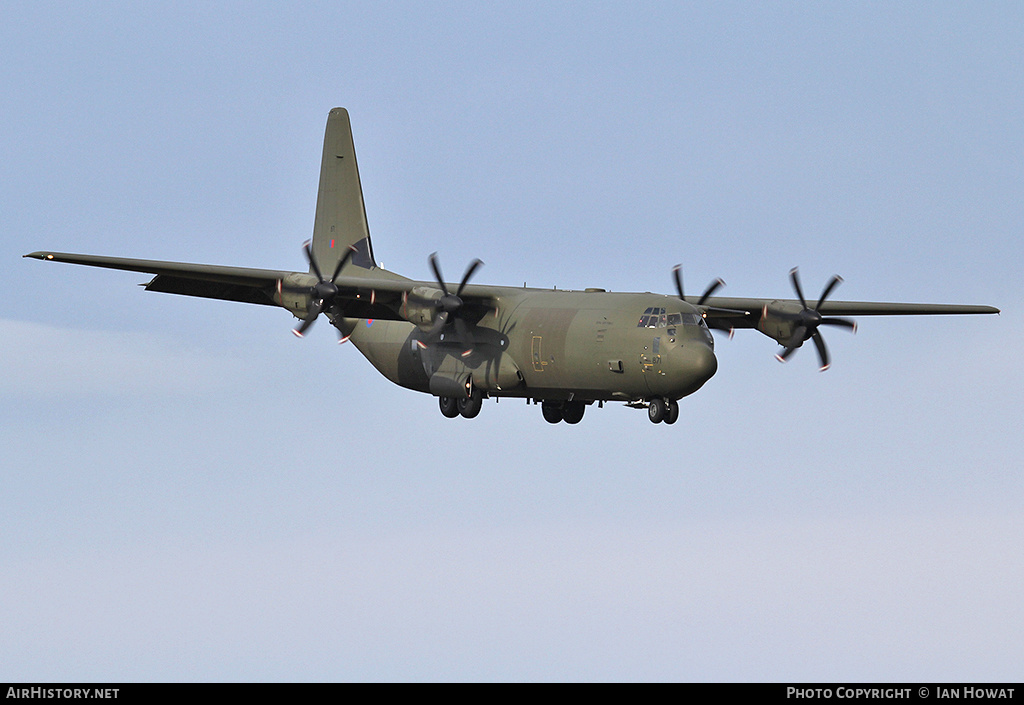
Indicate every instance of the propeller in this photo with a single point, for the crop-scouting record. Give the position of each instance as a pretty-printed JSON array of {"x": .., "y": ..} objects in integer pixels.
[
  {"x": 712, "y": 287},
  {"x": 809, "y": 319},
  {"x": 449, "y": 304},
  {"x": 323, "y": 292}
]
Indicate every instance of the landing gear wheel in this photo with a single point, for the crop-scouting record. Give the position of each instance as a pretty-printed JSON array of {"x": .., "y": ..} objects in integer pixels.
[
  {"x": 470, "y": 406},
  {"x": 656, "y": 410},
  {"x": 671, "y": 411},
  {"x": 572, "y": 412},
  {"x": 449, "y": 406},
  {"x": 552, "y": 412}
]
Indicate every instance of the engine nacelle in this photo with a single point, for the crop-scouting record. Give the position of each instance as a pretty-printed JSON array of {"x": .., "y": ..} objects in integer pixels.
[
  {"x": 453, "y": 375},
  {"x": 421, "y": 307},
  {"x": 293, "y": 293},
  {"x": 454, "y": 385},
  {"x": 779, "y": 320}
]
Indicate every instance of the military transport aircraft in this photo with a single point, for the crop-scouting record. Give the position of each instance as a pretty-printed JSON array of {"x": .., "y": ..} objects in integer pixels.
[{"x": 466, "y": 342}]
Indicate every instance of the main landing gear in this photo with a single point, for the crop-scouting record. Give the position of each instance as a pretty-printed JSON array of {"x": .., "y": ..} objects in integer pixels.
[
  {"x": 663, "y": 410},
  {"x": 467, "y": 407},
  {"x": 570, "y": 411}
]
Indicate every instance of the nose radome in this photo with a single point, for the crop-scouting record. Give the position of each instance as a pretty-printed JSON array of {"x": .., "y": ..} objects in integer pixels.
[
  {"x": 691, "y": 366},
  {"x": 703, "y": 362}
]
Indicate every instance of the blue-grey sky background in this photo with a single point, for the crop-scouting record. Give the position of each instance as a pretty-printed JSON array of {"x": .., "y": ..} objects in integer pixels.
[{"x": 190, "y": 493}]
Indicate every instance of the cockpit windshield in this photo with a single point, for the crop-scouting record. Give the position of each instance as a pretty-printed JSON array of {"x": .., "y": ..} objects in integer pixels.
[{"x": 657, "y": 318}]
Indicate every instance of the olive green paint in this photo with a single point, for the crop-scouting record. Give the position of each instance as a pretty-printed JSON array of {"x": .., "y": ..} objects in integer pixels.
[{"x": 565, "y": 348}]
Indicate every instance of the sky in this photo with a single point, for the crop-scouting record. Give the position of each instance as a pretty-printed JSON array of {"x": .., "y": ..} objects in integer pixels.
[{"x": 190, "y": 493}]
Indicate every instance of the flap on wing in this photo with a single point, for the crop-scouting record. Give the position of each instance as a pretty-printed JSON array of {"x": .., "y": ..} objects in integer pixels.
[{"x": 168, "y": 284}]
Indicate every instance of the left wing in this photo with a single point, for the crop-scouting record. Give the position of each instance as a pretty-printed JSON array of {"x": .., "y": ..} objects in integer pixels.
[
  {"x": 791, "y": 322},
  {"x": 744, "y": 313}
]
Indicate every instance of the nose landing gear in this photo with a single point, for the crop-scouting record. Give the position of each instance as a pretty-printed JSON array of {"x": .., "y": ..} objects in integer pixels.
[{"x": 663, "y": 410}]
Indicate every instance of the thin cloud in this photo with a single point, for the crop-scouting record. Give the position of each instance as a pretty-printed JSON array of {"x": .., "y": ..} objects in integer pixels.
[{"x": 43, "y": 361}]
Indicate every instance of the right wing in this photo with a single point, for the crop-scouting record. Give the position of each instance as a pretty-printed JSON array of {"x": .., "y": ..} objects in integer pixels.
[{"x": 379, "y": 294}]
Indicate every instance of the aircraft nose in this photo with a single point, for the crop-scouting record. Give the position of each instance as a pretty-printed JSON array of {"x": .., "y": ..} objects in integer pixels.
[
  {"x": 702, "y": 362},
  {"x": 693, "y": 365}
]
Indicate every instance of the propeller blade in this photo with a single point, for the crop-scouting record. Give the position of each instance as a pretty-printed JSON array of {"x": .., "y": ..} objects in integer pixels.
[
  {"x": 797, "y": 339},
  {"x": 784, "y": 355},
  {"x": 679, "y": 280},
  {"x": 341, "y": 263},
  {"x": 311, "y": 260},
  {"x": 822, "y": 351},
  {"x": 473, "y": 266},
  {"x": 841, "y": 322},
  {"x": 464, "y": 336},
  {"x": 439, "y": 324},
  {"x": 796, "y": 285},
  {"x": 314, "y": 312},
  {"x": 712, "y": 288},
  {"x": 437, "y": 272},
  {"x": 832, "y": 283}
]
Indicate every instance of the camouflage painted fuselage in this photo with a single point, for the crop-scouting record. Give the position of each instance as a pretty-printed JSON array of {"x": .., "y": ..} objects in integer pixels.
[{"x": 553, "y": 345}]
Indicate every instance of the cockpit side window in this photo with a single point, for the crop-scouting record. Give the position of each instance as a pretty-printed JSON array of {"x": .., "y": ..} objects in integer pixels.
[{"x": 644, "y": 318}]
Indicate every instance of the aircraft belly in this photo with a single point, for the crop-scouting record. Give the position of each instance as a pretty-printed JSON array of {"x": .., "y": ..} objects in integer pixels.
[{"x": 391, "y": 348}]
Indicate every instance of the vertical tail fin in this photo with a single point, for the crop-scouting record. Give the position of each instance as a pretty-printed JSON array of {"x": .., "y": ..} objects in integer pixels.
[{"x": 340, "y": 220}]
